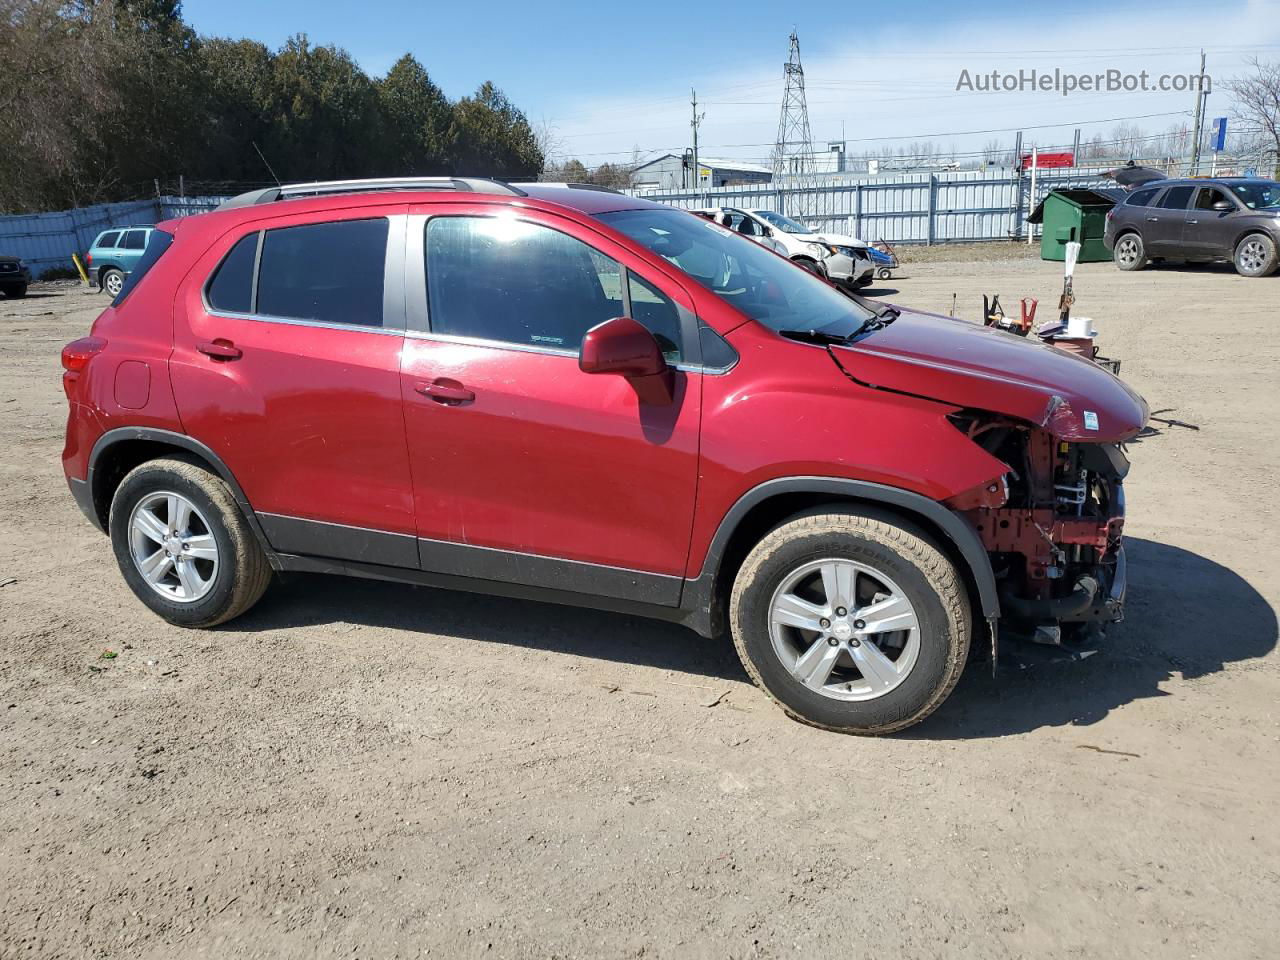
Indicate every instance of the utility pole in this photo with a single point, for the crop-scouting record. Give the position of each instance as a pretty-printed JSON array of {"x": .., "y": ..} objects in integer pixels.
[
  {"x": 793, "y": 153},
  {"x": 695, "y": 123},
  {"x": 1075, "y": 149},
  {"x": 1198, "y": 134}
]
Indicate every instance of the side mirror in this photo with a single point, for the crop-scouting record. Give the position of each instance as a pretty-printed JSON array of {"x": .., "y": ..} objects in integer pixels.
[
  {"x": 625, "y": 347},
  {"x": 622, "y": 346},
  {"x": 1223, "y": 206}
]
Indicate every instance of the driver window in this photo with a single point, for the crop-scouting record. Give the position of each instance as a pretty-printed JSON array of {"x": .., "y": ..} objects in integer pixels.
[{"x": 1208, "y": 196}]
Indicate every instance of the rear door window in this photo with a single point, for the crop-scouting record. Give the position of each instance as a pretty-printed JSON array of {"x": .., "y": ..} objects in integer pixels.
[
  {"x": 1176, "y": 198},
  {"x": 325, "y": 272},
  {"x": 231, "y": 289}
]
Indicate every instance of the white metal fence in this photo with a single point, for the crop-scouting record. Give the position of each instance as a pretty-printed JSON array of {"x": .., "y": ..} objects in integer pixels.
[
  {"x": 910, "y": 208},
  {"x": 47, "y": 240}
]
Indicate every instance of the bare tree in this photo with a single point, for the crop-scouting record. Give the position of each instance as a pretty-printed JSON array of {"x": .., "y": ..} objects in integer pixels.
[{"x": 1257, "y": 96}]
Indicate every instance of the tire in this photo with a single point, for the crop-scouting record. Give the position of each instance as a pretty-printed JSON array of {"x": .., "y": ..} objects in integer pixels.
[
  {"x": 808, "y": 265},
  {"x": 1129, "y": 252},
  {"x": 1255, "y": 256},
  {"x": 887, "y": 559},
  {"x": 233, "y": 580},
  {"x": 111, "y": 280},
  {"x": 16, "y": 291},
  {"x": 884, "y": 273}
]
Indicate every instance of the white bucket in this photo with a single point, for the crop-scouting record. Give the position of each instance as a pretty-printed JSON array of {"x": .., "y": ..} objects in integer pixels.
[{"x": 1079, "y": 328}]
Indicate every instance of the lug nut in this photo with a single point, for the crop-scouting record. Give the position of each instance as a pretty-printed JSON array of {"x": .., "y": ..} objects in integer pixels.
[
  {"x": 855, "y": 642},
  {"x": 824, "y": 622},
  {"x": 841, "y": 611},
  {"x": 833, "y": 641},
  {"x": 859, "y": 624}
]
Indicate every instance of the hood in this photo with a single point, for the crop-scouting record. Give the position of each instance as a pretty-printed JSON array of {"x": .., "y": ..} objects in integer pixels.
[
  {"x": 843, "y": 239},
  {"x": 965, "y": 365}
]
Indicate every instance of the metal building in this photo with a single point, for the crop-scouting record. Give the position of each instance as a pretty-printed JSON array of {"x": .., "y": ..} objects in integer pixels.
[{"x": 675, "y": 172}]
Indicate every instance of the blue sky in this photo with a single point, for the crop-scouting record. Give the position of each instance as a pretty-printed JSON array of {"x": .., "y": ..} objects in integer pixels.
[{"x": 605, "y": 78}]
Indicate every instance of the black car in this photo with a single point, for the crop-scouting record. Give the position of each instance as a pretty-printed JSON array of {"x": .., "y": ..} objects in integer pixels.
[
  {"x": 14, "y": 276},
  {"x": 1225, "y": 218}
]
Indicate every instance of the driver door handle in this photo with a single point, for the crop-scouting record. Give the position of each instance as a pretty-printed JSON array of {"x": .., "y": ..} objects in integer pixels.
[
  {"x": 448, "y": 392},
  {"x": 1153, "y": 219}
]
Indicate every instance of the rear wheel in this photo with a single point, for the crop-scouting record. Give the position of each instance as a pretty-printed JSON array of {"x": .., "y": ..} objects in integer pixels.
[
  {"x": 1255, "y": 256},
  {"x": 851, "y": 622},
  {"x": 184, "y": 546},
  {"x": 112, "y": 281},
  {"x": 15, "y": 290},
  {"x": 884, "y": 273},
  {"x": 1129, "y": 253}
]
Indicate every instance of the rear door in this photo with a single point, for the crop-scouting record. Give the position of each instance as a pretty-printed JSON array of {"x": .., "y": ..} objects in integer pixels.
[
  {"x": 1164, "y": 222},
  {"x": 130, "y": 247},
  {"x": 1208, "y": 233},
  {"x": 286, "y": 360},
  {"x": 526, "y": 469}
]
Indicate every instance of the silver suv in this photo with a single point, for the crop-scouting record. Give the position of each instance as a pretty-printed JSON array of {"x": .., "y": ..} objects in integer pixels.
[{"x": 1228, "y": 218}]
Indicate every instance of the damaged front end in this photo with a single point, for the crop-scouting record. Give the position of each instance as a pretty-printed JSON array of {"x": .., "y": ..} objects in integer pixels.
[{"x": 1053, "y": 526}]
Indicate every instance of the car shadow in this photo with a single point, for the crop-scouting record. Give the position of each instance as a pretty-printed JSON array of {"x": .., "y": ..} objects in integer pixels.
[
  {"x": 875, "y": 290},
  {"x": 1186, "y": 616},
  {"x": 299, "y": 600}
]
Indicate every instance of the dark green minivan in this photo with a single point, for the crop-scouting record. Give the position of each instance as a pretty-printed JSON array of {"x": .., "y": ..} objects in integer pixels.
[{"x": 113, "y": 255}]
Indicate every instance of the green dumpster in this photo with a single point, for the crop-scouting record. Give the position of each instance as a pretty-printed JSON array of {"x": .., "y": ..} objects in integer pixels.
[{"x": 1076, "y": 214}]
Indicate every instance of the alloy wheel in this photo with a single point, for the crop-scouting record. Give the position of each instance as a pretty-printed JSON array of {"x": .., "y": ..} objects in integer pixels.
[
  {"x": 173, "y": 547},
  {"x": 1127, "y": 251},
  {"x": 844, "y": 630},
  {"x": 1253, "y": 254},
  {"x": 113, "y": 283}
]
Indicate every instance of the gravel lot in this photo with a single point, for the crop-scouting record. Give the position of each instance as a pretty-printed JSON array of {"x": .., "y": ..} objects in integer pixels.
[{"x": 362, "y": 769}]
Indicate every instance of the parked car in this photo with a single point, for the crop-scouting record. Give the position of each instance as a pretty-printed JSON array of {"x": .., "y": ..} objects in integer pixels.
[
  {"x": 1234, "y": 219},
  {"x": 573, "y": 395},
  {"x": 15, "y": 276},
  {"x": 842, "y": 259},
  {"x": 113, "y": 256}
]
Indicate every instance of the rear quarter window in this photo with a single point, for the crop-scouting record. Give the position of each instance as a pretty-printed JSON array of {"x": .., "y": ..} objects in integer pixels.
[{"x": 1141, "y": 198}]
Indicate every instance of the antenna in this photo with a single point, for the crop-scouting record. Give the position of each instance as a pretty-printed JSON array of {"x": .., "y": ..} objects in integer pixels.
[
  {"x": 793, "y": 160},
  {"x": 267, "y": 165}
]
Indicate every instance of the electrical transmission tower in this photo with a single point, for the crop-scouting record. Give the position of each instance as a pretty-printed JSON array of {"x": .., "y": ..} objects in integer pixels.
[{"x": 793, "y": 158}]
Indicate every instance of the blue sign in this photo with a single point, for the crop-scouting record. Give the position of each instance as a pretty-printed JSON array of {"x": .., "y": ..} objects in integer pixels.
[{"x": 1219, "y": 133}]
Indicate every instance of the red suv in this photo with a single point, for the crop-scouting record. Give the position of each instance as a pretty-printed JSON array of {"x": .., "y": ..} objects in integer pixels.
[{"x": 564, "y": 393}]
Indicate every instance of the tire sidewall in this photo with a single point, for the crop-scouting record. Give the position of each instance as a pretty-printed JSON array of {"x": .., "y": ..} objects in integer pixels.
[
  {"x": 1268, "y": 266},
  {"x": 1141, "y": 259},
  {"x": 107, "y": 276},
  {"x": 910, "y": 697},
  {"x": 155, "y": 479}
]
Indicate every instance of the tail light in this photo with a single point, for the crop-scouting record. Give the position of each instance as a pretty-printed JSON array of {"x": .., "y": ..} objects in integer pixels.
[
  {"x": 88, "y": 259},
  {"x": 75, "y": 357},
  {"x": 1111, "y": 214}
]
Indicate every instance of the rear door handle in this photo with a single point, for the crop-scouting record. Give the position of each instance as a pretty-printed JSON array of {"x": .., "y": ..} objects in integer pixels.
[
  {"x": 1193, "y": 221},
  {"x": 448, "y": 392},
  {"x": 1153, "y": 219},
  {"x": 220, "y": 349}
]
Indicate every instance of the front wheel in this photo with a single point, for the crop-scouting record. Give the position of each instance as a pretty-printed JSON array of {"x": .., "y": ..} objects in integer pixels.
[
  {"x": 184, "y": 546},
  {"x": 808, "y": 265},
  {"x": 1255, "y": 256},
  {"x": 884, "y": 273},
  {"x": 15, "y": 290},
  {"x": 1129, "y": 253},
  {"x": 851, "y": 622}
]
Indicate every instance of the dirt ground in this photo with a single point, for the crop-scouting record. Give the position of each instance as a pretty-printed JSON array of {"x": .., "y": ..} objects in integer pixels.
[{"x": 361, "y": 769}]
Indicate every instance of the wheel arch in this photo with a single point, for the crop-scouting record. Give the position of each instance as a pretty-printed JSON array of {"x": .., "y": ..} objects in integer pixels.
[
  {"x": 1248, "y": 232},
  {"x": 120, "y": 450},
  {"x": 765, "y": 506}
]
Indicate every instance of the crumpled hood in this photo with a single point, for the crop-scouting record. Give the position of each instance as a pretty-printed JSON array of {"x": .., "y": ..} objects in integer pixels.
[
  {"x": 843, "y": 239},
  {"x": 966, "y": 365}
]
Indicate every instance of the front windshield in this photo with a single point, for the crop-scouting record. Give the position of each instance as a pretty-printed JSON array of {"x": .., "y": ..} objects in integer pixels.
[
  {"x": 1259, "y": 194},
  {"x": 760, "y": 284},
  {"x": 785, "y": 224}
]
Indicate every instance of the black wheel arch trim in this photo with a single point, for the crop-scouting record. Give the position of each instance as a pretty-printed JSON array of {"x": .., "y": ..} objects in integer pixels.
[
  {"x": 700, "y": 592},
  {"x": 189, "y": 444}
]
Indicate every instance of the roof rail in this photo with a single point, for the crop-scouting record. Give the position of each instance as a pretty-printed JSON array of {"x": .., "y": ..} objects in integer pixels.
[
  {"x": 571, "y": 186},
  {"x": 325, "y": 187}
]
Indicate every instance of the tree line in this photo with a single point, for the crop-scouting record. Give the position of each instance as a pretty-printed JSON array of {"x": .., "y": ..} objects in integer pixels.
[{"x": 101, "y": 98}]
